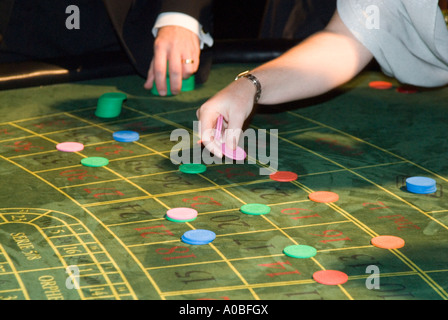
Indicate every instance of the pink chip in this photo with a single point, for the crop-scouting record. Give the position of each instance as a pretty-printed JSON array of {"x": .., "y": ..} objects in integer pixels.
[
  {"x": 70, "y": 146},
  {"x": 237, "y": 154},
  {"x": 182, "y": 213}
]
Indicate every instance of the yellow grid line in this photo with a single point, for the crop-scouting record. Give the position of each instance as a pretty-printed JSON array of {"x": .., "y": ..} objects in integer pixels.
[
  {"x": 400, "y": 255},
  {"x": 264, "y": 217},
  {"x": 66, "y": 195}
]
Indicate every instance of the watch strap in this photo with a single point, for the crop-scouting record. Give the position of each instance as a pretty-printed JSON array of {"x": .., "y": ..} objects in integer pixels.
[{"x": 254, "y": 80}]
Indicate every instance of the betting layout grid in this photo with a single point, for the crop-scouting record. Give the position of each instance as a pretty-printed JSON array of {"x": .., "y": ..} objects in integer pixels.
[{"x": 129, "y": 197}]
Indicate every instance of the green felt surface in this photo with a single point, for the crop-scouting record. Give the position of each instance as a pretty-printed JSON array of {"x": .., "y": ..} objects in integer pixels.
[{"x": 109, "y": 222}]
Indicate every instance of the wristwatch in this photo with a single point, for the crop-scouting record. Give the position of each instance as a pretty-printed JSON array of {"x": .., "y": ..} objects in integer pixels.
[{"x": 255, "y": 81}]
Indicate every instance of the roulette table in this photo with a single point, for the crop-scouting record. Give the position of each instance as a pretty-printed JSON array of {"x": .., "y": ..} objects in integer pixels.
[{"x": 73, "y": 232}]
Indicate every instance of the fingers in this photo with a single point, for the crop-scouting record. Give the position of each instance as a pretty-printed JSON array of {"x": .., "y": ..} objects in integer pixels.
[
  {"x": 173, "y": 47},
  {"x": 210, "y": 138},
  {"x": 179, "y": 69},
  {"x": 160, "y": 65},
  {"x": 150, "y": 77},
  {"x": 190, "y": 64},
  {"x": 207, "y": 131},
  {"x": 234, "y": 103},
  {"x": 175, "y": 72}
]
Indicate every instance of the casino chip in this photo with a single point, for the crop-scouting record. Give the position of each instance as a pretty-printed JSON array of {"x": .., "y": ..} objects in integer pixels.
[
  {"x": 181, "y": 214},
  {"x": 237, "y": 154},
  {"x": 218, "y": 128},
  {"x": 255, "y": 209},
  {"x": 330, "y": 277},
  {"x": 380, "y": 85},
  {"x": 187, "y": 85},
  {"x": 192, "y": 168},
  {"x": 283, "y": 176},
  {"x": 323, "y": 196},
  {"x": 198, "y": 237},
  {"x": 126, "y": 136},
  {"x": 109, "y": 105},
  {"x": 407, "y": 89},
  {"x": 388, "y": 242},
  {"x": 421, "y": 185},
  {"x": 300, "y": 251},
  {"x": 70, "y": 146},
  {"x": 95, "y": 162}
]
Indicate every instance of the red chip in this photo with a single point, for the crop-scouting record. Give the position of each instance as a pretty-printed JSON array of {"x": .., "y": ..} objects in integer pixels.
[
  {"x": 388, "y": 242},
  {"x": 323, "y": 196},
  {"x": 284, "y": 176},
  {"x": 330, "y": 277},
  {"x": 407, "y": 89},
  {"x": 380, "y": 85}
]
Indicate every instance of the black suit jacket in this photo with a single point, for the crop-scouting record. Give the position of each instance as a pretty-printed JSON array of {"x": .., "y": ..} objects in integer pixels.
[
  {"x": 36, "y": 29},
  {"x": 133, "y": 21}
]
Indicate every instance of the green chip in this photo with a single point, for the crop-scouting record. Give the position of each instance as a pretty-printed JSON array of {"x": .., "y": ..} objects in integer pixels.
[
  {"x": 177, "y": 220},
  {"x": 95, "y": 162},
  {"x": 193, "y": 168},
  {"x": 187, "y": 85},
  {"x": 109, "y": 105},
  {"x": 300, "y": 251},
  {"x": 255, "y": 209}
]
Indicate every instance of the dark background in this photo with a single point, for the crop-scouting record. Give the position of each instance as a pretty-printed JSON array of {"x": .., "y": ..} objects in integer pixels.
[
  {"x": 237, "y": 19},
  {"x": 236, "y": 30}
]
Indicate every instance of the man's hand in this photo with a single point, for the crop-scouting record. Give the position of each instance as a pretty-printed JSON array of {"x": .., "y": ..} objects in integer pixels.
[{"x": 174, "y": 45}]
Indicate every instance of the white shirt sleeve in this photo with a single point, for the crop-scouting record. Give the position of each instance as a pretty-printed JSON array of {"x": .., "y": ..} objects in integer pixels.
[
  {"x": 408, "y": 38},
  {"x": 182, "y": 20}
]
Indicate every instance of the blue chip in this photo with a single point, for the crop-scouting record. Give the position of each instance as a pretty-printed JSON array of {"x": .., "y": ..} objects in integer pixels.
[
  {"x": 126, "y": 136},
  {"x": 198, "y": 236},
  {"x": 421, "y": 185}
]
